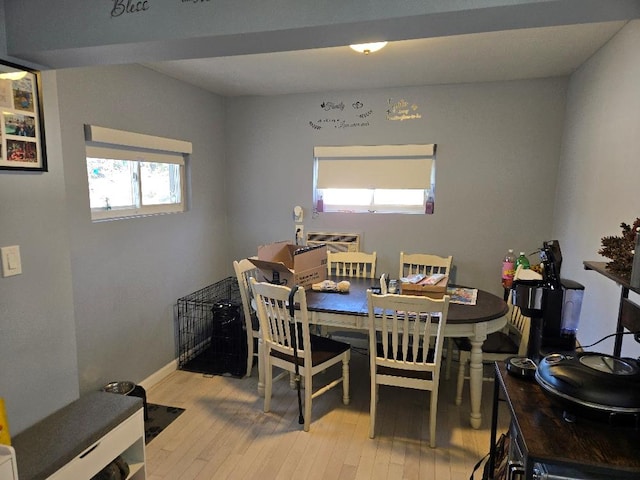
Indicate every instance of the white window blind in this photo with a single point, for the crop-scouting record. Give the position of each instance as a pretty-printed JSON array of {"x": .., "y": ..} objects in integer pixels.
[
  {"x": 375, "y": 167},
  {"x": 375, "y": 178},
  {"x": 111, "y": 136}
]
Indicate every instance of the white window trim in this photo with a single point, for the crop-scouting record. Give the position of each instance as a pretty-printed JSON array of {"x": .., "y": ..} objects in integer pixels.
[{"x": 104, "y": 142}]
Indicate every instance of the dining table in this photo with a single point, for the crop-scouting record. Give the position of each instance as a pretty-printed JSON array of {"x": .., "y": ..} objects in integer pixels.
[{"x": 350, "y": 311}]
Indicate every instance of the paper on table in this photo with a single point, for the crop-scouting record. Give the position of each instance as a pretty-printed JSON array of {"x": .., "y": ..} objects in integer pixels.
[{"x": 463, "y": 296}]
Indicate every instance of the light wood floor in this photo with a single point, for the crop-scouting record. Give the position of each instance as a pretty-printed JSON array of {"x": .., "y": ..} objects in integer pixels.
[{"x": 224, "y": 432}]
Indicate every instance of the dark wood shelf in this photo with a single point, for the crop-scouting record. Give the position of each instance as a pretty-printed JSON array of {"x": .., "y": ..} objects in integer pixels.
[
  {"x": 601, "y": 268},
  {"x": 628, "y": 311},
  {"x": 611, "y": 452}
]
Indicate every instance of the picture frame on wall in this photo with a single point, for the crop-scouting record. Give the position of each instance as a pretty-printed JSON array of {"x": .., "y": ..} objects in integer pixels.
[{"x": 22, "y": 141}]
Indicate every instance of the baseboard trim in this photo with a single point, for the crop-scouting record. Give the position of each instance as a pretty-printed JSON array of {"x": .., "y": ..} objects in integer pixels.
[{"x": 157, "y": 376}]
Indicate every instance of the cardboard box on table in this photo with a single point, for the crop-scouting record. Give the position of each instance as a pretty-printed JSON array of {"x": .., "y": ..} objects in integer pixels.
[
  {"x": 434, "y": 291},
  {"x": 294, "y": 264}
]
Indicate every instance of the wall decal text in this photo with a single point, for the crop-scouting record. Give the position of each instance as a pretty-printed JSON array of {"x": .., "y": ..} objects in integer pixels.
[
  {"x": 401, "y": 110},
  {"x": 332, "y": 106},
  {"x": 341, "y": 121},
  {"x": 121, "y": 7}
]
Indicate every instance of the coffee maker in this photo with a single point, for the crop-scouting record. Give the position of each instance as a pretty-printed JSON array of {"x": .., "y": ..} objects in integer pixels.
[{"x": 553, "y": 304}]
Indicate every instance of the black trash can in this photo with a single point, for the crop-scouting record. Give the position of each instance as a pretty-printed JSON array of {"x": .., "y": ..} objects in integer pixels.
[{"x": 228, "y": 350}]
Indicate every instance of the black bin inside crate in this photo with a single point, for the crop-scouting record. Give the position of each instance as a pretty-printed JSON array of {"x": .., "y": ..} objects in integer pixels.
[{"x": 211, "y": 330}]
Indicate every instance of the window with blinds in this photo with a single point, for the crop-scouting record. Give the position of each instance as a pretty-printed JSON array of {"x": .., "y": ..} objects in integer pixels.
[
  {"x": 375, "y": 179},
  {"x": 132, "y": 174}
]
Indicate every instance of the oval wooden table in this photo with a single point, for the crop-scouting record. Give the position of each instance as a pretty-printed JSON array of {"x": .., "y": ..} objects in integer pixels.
[{"x": 350, "y": 311}]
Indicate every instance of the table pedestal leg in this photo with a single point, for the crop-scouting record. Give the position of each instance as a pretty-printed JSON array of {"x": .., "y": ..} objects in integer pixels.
[{"x": 475, "y": 380}]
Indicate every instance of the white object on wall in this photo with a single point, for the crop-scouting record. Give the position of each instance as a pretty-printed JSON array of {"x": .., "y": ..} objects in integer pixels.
[{"x": 11, "y": 263}]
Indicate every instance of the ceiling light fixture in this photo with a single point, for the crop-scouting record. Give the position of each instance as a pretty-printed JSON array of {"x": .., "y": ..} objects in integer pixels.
[{"x": 368, "y": 48}]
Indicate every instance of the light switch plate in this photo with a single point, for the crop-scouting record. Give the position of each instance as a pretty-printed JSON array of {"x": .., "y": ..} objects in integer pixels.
[{"x": 11, "y": 262}]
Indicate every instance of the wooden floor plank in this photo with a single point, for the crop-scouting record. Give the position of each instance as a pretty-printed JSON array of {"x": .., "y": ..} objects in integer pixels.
[{"x": 224, "y": 433}]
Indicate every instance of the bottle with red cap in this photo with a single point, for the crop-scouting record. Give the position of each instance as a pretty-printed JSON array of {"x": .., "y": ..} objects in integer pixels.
[{"x": 508, "y": 269}]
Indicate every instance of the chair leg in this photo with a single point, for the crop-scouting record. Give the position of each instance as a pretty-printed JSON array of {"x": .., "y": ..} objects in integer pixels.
[
  {"x": 268, "y": 385},
  {"x": 249, "y": 353},
  {"x": 345, "y": 381},
  {"x": 447, "y": 370},
  {"x": 433, "y": 410},
  {"x": 261, "y": 367},
  {"x": 372, "y": 410},
  {"x": 464, "y": 360},
  {"x": 308, "y": 386}
]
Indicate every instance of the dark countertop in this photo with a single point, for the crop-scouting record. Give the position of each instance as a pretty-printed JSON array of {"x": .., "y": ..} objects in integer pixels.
[
  {"x": 548, "y": 438},
  {"x": 488, "y": 306},
  {"x": 53, "y": 442}
]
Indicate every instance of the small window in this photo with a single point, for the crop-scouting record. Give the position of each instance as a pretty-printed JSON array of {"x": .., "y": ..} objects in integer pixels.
[
  {"x": 375, "y": 179},
  {"x": 128, "y": 179}
]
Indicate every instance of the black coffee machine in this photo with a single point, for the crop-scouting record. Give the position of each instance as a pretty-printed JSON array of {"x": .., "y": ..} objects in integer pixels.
[{"x": 553, "y": 304}]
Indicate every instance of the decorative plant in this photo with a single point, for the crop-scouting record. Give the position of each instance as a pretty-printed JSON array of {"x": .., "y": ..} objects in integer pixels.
[{"x": 620, "y": 249}]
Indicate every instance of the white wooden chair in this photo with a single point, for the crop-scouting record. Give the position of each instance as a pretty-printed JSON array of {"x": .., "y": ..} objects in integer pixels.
[
  {"x": 314, "y": 353},
  {"x": 412, "y": 263},
  {"x": 401, "y": 330},
  {"x": 512, "y": 340},
  {"x": 351, "y": 264},
  {"x": 244, "y": 270}
]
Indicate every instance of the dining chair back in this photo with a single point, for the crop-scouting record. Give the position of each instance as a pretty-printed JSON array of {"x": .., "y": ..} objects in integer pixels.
[
  {"x": 406, "y": 334},
  {"x": 312, "y": 354},
  {"x": 512, "y": 340},
  {"x": 351, "y": 264},
  {"x": 427, "y": 264},
  {"x": 244, "y": 270},
  {"x": 412, "y": 263}
]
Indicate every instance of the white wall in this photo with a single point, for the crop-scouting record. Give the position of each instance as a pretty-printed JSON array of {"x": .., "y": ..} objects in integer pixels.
[
  {"x": 95, "y": 301},
  {"x": 494, "y": 140},
  {"x": 128, "y": 274},
  {"x": 599, "y": 175},
  {"x": 39, "y": 370}
]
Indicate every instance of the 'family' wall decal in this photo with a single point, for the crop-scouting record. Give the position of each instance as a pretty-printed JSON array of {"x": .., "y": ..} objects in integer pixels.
[
  {"x": 340, "y": 115},
  {"x": 353, "y": 117}
]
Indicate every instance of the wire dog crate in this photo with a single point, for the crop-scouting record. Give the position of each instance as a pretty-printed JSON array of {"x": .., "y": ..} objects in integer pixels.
[{"x": 211, "y": 336}]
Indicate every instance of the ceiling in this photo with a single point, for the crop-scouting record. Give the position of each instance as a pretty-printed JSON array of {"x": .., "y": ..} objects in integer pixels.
[{"x": 482, "y": 57}]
